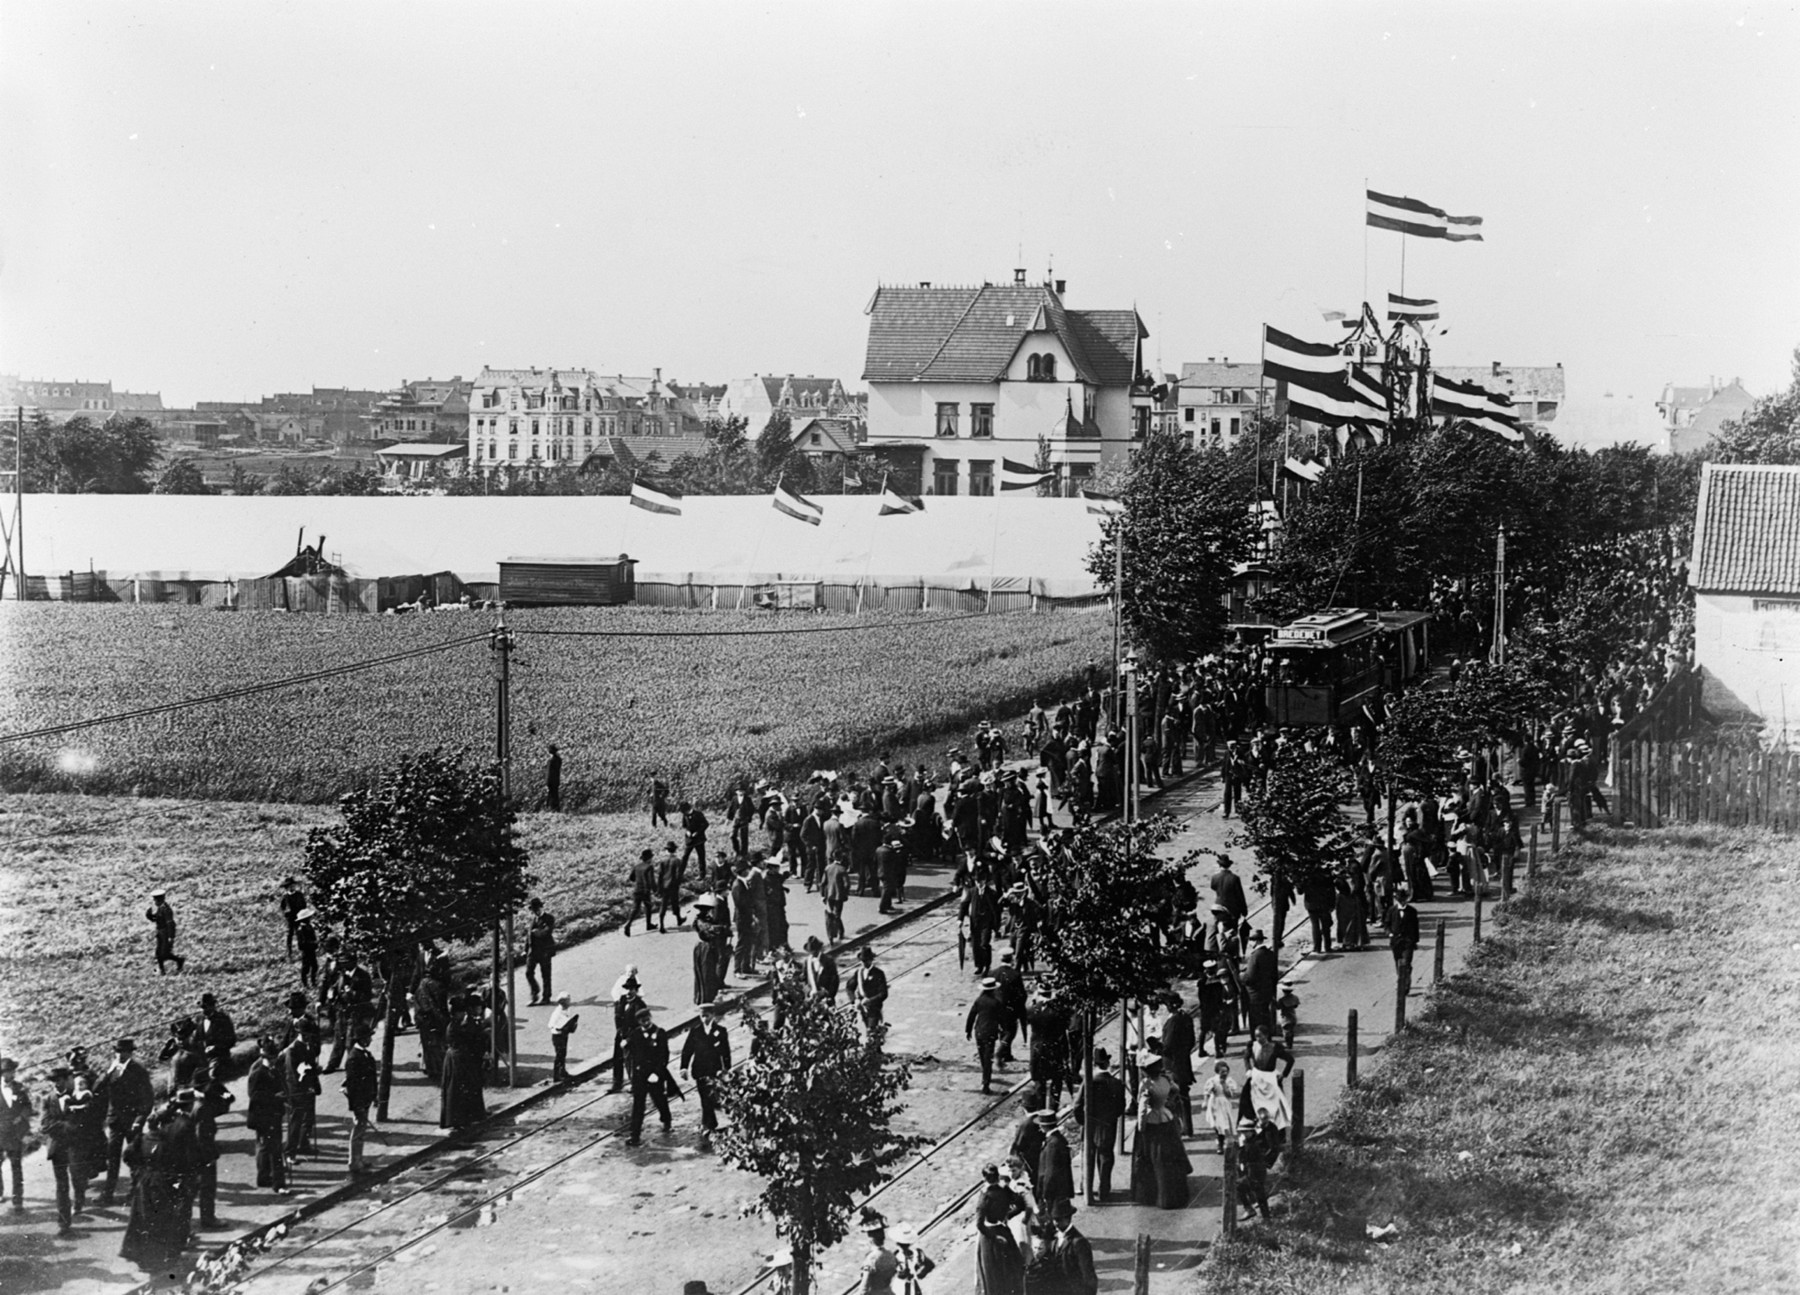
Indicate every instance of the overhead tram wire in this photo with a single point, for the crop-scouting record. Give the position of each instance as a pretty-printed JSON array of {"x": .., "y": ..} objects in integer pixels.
[{"x": 768, "y": 633}]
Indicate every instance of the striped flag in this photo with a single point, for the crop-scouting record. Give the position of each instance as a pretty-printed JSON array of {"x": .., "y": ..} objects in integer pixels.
[
  {"x": 1022, "y": 476},
  {"x": 655, "y": 499},
  {"x": 1301, "y": 470},
  {"x": 1098, "y": 501},
  {"x": 1297, "y": 361},
  {"x": 796, "y": 505},
  {"x": 1412, "y": 309},
  {"x": 1420, "y": 219},
  {"x": 1323, "y": 398},
  {"x": 894, "y": 504},
  {"x": 1489, "y": 410}
]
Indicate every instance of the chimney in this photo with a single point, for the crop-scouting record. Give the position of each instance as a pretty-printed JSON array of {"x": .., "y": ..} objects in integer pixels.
[
  {"x": 1496, "y": 368},
  {"x": 1019, "y": 275},
  {"x": 1062, "y": 286},
  {"x": 656, "y": 374},
  {"x": 924, "y": 283}
]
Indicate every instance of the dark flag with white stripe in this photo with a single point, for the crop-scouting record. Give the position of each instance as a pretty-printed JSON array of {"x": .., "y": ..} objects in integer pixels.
[
  {"x": 1411, "y": 309},
  {"x": 1420, "y": 219}
]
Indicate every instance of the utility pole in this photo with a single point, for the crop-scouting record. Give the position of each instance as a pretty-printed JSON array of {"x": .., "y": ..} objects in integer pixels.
[
  {"x": 13, "y": 529},
  {"x": 501, "y": 642}
]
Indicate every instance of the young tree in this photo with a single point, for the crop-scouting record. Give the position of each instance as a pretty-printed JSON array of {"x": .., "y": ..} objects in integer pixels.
[
  {"x": 426, "y": 854},
  {"x": 116, "y": 457},
  {"x": 1296, "y": 829},
  {"x": 1421, "y": 749},
  {"x": 1185, "y": 528},
  {"x": 810, "y": 1112}
]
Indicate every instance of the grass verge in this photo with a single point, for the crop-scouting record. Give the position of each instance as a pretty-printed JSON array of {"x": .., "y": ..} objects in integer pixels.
[{"x": 1604, "y": 1100}]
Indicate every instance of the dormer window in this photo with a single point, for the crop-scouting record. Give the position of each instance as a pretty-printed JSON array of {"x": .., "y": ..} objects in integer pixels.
[{"x": 1040, "y": 367}]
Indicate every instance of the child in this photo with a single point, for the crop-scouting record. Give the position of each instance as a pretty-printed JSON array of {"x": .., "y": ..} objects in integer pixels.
[
  {"x": 1253, "y": 1170},
  {"x": 1289, "y": 1007},
  {"x": 1045, "y": 822},
  {"x": 1219, "y": 1103}
]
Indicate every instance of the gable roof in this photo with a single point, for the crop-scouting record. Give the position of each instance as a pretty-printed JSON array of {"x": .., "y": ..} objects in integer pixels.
[
  {"x": 972, "y": 334},
  {"x": 1747, "y": 530}
]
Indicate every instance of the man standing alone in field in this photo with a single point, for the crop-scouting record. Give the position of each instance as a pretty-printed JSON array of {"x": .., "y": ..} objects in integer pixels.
[
  {"x": 659, "y": 801},
  {"x": 693, "y": 822},
  {"x": 293, "y": 902},
  {"x": 163, "y": 916}
]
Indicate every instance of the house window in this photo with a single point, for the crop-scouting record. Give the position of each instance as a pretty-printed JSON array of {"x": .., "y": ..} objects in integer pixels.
[
  {"x": 512, "y": 426},
  {"x": 1078, "y": 473},
  {"x": 1234, "y": 427},
  {"x": 1140, "y": 424},
  {"x": 512, "y": 449},
  {"x": 1215, "y": 429},
  {"x": 947, "y": 415},
  {"x": 534, "y": 427},
  {"x": 817, "y": 439},
  {"x": 943, "y": 477},
  {"x": 587, "y": 427},
  {"x": 1187, "y": 414},
  {"x": 981, "y": 477},
  {"x": 981, "y": 420}
]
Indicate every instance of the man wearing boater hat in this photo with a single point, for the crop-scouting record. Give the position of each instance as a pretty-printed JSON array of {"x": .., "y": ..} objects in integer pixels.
[{"x": 987, "y": 1020}]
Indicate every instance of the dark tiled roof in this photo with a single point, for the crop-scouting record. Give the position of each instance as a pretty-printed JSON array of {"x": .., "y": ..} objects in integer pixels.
[
  {"x": 1540, "y": 381},
  {"x": 1747, "y": 530},
  {"x": 638, "y": 449},
  {"x": 972, "y": 334},
  {"x": 1226, "y": 373}
]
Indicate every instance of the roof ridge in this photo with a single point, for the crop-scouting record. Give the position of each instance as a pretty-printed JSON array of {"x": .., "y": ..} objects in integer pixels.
[{"x": 952, "y": 331}]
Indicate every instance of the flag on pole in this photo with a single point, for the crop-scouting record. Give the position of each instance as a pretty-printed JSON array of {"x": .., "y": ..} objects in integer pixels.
[
  {"x": 1301, "y": 470},
  {"x": 1022, "y": 476},
  {"x": 655, "y": 499},
  {"x": 1420, "y": 219},
  {"x": 1410, "y": 309},
  {"x": 1288, "y": 357},
  {"x": 894, "y": 504},
  {"x": 1490, "y": 411},
  {"x": 1102, "y": 503},
  {"x": 797, "y": 505},
  {"x": 1323, "y": 398}
]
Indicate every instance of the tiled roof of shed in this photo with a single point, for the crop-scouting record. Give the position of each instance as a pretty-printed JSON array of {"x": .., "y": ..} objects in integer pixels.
[
  {"x": 971, "y": 334},
  {"x": 1747, "y": 530}
]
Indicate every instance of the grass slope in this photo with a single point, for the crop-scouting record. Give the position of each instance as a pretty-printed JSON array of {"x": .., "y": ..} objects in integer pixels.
[
  {"x": 703, "y": 711},
  {"x": 1604, "y": 1101}
]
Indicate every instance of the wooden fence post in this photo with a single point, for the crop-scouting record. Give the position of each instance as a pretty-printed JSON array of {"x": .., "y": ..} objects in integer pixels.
[
  {"x": 1556, "y": 825},
  {"x": 1477, "y": 918},
  {"x": 1228, "y": 1218},
  {"x": 1531, "y": 859},
  {"x": 1140, "y": 1278},
  {"x": 1350, "y": 1050},
  {"x": 1507, "y": 863},
  {"x": 1400, "y": 993},
  {"x": 1622, "y": 781},
  {"x": 1437, "y": 957},
  {"x": 1297, "y": 1129}
]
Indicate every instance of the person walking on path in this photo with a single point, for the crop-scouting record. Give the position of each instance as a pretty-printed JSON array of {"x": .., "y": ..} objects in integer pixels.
[
  {"x": 553, "y": 780},
  {"x": 1178, "y": 1059},
  {"x": 129, "y": 1098},
  {"x": 165, "y": 1158},
  {"x": 1319, "y": 894},
  {"x": 1098, "y": 1109},
  {"x": 659, "y": 801},
  {"x": 1054, "y": 1170},
  {"x": 162, "y": 915},
  {"x": 1159, "y": 1163},
  {"x": 869, "y": 990},
  {"x": 1253, "y": 1170},
  {"x": 999, "y": 1267},
  {"x": 465, "y": 1062},
  {"x": 625, "y": 1002},
  {"x": 1403, "y": 935},
  {"x": 693, "y": 826},
  {"x": 1228, "y": 889},
  {"x": 643, "y": 891},
  {"x": 15, "y": 1127},
  {"x": 561, "y": 1025},
  {"x": 649, "y": 1074},
  {"x": 1260, "y": 979},
  {"x": 215, "y": 1099},
  {"x": 540, "y": 948},
  {"x": 834, "y": 892},
  {"x": 712, "y": 937},
  {"x": 670, "y": 873},
  {"x": 986, "y": 1022},
  {"x": 263, "y": 1114},
  {"x": 705, "y": 1056},
  {"x": 362, "y": 1079}
]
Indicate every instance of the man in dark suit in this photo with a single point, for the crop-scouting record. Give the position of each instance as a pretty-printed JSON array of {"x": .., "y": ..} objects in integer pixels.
[
  {"x": 1260, "y": 983},
  {"x": 1228, "y": 889},
  {"x": 1012, "y": 993},
  {"x": 129, "y": 1097},
  {"x": 649, "y": 1074},
  {"x": 1178, "y": 1060},
  {"x": 643, "y": 891},
  {"x": 1098, "y": 1109},
  {"x": 693, "y": 825},
  {"x": 540, "y": 948},
  {"x": 743, "y": 920},
  {"x": 705, "y": 1055},
  {"x": 1071, "y": 1253},
  {"x": 1403, "y": 938},
  {"x": 987, "y": 1019}
]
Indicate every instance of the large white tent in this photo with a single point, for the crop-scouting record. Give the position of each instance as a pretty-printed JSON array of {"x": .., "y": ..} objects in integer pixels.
[{"x": 959, "y": 540}]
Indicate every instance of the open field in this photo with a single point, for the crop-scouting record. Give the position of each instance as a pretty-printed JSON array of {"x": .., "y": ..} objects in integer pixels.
[
  {"x": 1604, "y": 1101},
  {"x": 703, "y": 712}
]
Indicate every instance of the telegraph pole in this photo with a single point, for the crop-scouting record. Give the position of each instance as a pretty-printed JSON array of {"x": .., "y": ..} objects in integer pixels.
[{"x": 501, "y": 642}]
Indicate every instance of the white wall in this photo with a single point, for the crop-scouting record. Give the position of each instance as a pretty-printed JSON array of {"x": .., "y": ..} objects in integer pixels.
[{"x": 1754, "y": 653}]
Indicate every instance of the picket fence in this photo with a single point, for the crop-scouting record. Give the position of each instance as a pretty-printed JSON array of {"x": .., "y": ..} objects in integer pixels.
[{"x": 1658, "y": 783}]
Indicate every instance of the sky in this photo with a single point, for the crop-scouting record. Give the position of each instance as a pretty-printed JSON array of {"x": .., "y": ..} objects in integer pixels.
[{"x": 223, "y": 200}]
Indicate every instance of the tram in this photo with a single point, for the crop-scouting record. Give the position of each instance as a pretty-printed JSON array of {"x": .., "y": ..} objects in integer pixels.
[{"x": 1324, "y": 667}]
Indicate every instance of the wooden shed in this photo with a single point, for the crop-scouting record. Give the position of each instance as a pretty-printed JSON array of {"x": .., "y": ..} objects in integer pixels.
[{"x": 568, "y": 582}]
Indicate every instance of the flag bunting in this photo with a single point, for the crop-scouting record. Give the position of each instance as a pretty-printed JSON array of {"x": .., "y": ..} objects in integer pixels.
[
  {"x": 655, "y": 499},
  {"x": 894, "y": 504},
  {"x": 797, "y": 505},
  {"x": 1288, "y": 357},
  {"x": 1413, "y": 309},
  {"x": 1098, "y": 501},
  {"x": 1022, "y": 476},
  {"x": 1422, "y": 220},
  {"x": 1301, "y": 470}
]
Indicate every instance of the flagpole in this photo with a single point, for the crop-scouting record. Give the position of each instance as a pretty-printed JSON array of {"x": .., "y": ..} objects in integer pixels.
[
  {"x": 869, "y": 558},
  {"x": 625, "y": 531},
  {"x": 994, "y": 554},
  {"x": 1365, "y": 242}
]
